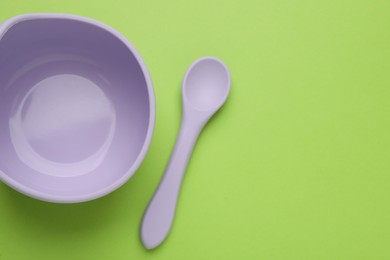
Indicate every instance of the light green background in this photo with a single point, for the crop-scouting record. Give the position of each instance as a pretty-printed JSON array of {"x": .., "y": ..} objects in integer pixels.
[{"x": 295, "y": 166}]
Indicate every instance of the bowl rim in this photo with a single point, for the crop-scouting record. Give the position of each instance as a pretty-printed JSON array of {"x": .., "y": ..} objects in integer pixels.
[{"x": 8, "y": 24}]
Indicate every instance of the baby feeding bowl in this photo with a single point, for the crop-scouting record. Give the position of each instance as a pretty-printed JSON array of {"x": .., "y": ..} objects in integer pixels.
[{"x": 77, "y": 107}]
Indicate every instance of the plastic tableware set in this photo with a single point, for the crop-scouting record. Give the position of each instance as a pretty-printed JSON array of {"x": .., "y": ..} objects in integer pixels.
[{"x": 77, "y": 112}]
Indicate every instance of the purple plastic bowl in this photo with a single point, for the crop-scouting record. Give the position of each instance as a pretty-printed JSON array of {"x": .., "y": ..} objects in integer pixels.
[{"x": 77, "y": 107}]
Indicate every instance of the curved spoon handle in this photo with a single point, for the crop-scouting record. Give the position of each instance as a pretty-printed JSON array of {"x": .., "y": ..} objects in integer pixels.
[{"x": 160, "y": 212}]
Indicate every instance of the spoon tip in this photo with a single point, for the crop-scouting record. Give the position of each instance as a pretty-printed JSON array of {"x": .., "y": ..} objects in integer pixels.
[{"x": 207, "y": 83}]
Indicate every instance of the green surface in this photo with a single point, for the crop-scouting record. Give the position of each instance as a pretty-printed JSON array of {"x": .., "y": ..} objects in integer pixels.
[{"x": 295, "y": 166}]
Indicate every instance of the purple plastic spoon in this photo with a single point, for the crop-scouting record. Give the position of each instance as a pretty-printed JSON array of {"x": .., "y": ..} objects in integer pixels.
[{"x": 206, "y": 86}]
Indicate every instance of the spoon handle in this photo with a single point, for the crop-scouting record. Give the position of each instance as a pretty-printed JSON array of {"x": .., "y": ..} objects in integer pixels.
[{"x": 160, "y": 212}]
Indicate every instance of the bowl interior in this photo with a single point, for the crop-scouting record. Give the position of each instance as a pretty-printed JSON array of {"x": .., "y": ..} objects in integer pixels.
[{"x": 74, "y": 109}]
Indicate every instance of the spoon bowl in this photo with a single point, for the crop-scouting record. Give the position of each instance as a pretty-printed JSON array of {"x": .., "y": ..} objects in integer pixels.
[{"x": 206, "y": 84}]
